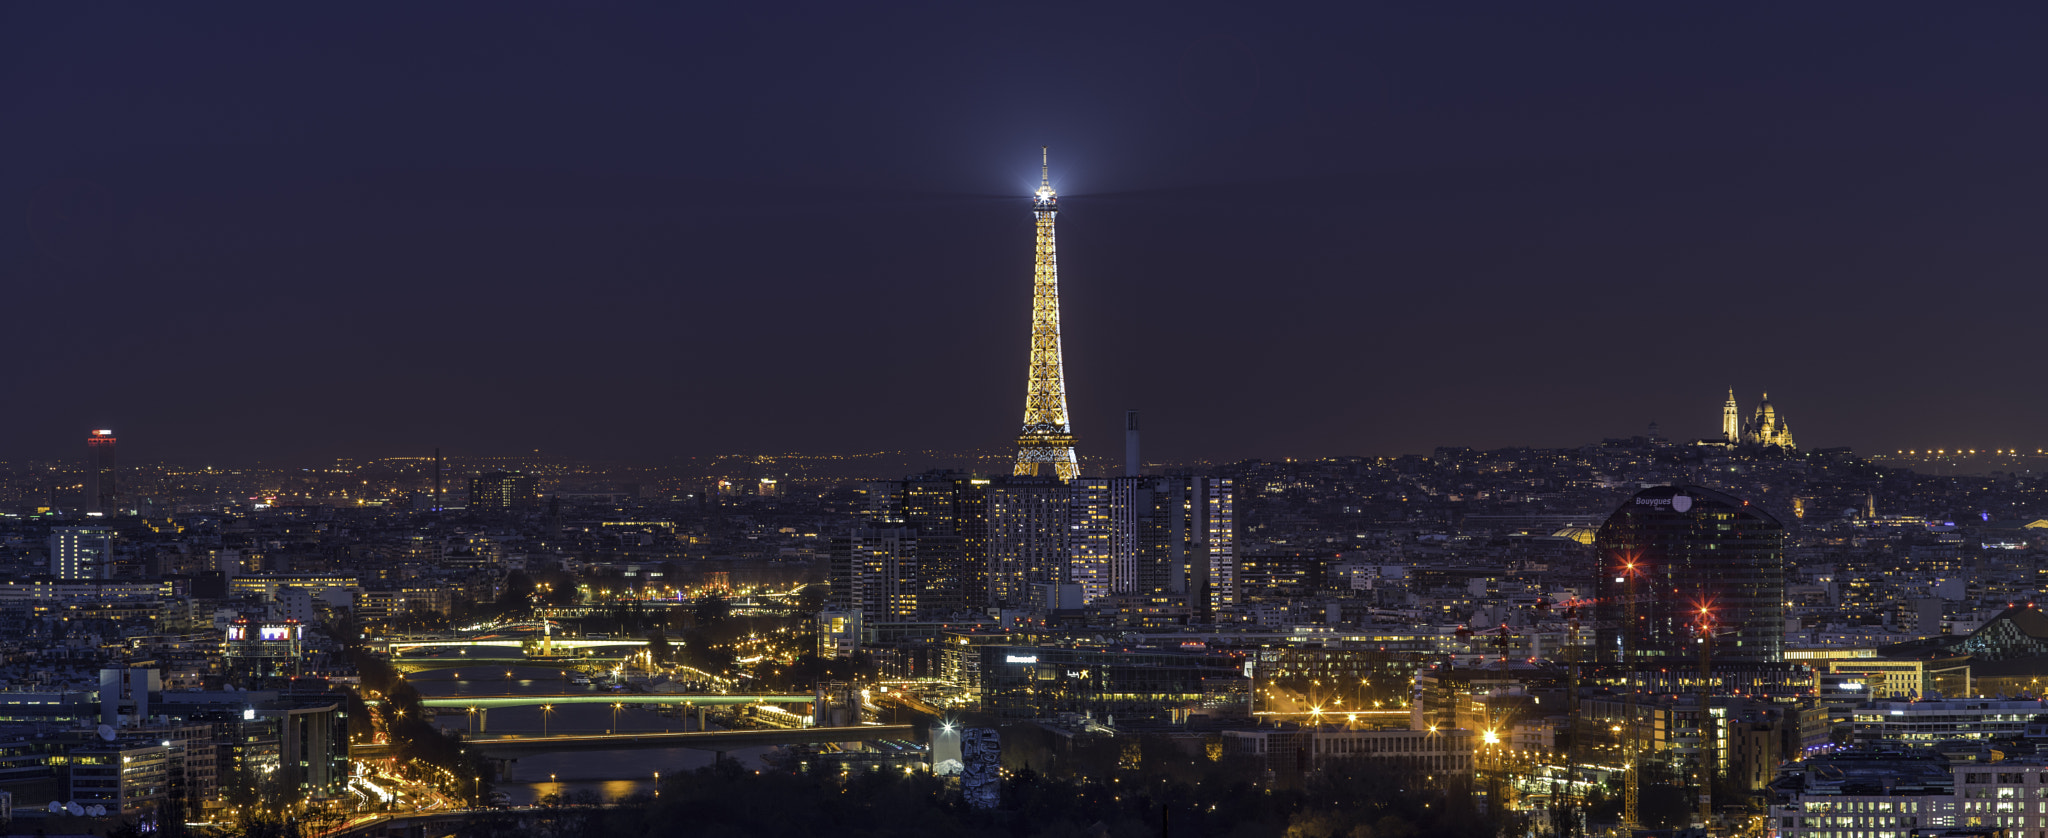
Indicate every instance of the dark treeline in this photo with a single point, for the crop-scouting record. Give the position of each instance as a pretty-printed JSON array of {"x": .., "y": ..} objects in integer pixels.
[
  {"x": 1128, "y": 787},
  {"x": 1350, "y": 800}
]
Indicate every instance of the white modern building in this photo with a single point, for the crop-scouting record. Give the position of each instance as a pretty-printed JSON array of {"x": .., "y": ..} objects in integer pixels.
[
  {"x": 1888, "y": 795},
  {"x": 1955, "y": 723},
  {"x": 81, "y": 552}
]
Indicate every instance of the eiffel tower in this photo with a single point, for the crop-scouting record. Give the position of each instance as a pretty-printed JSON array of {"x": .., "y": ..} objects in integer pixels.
[{"x": 1047, "y": 436}]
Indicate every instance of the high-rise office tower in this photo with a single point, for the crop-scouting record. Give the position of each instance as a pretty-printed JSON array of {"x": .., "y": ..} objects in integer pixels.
[
  {"x": 1188, "y": 548},
  {"x": 1173, "y": 537},
  {"x": 1027, "y": 538},
  {"x": 1008, "y": 541},
  {"x": 951, "y": 519},
  {"x": 949, "y": 513},
  {"x": 1047, "y": 435},
  {"x": 1104, "y": 516},
  {"x": 1091, "y": 536},
  {"x": 1675, "y": 550},
  {"x": 875, "y": 574},
  {"x": 101, "y": 493},
  {"x": 1219, "y": 530},
  {"x": 81, "y": 552}
]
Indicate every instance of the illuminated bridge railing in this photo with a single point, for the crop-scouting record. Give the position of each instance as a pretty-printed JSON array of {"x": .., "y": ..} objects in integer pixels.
[{"x": 677, "y": 699}]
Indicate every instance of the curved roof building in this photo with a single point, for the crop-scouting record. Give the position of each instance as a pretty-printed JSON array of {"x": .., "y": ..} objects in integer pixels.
[{"x": 1677, "y": 550}]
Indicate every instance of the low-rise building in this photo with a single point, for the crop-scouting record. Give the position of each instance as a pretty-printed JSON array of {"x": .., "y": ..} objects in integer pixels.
[
  {"x": 1430, "y": 754},
  {"x": 1863, "y": 795},
  {"x": 1878, "y": 678},
  {"x": 265, "y": 588},
  {"x": 1876, "y": 794},
  {"x": 127, "y": 777},
  {"x": 2011, "y": 795},
  {"x": 1951, "y": 723},
  {"x": 1127, "y": 683}
]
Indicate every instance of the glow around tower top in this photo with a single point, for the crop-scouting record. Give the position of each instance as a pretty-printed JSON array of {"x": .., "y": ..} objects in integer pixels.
[{"x": 1045, "y": 198}]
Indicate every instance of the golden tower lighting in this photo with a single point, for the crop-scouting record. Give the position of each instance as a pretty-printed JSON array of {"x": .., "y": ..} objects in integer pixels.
[{"x": 1047, "y": 435}]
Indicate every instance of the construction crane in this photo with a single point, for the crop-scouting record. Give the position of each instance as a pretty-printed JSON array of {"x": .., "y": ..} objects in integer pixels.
[
  {"x": 1570, "y": 612},
  {"x": 1704, "y": 632},
  {"x": 1630, "y": 771},
  {"x": 1495, "y": 720},
  {"x": 1498, "y": 737}
]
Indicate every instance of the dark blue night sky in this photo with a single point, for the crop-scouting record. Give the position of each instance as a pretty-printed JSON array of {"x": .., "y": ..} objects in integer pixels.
[{"x": 272, "y": 230}]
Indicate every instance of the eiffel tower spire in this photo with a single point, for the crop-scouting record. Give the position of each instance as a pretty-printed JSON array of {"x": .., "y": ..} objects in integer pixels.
[{"x": 1047, "y": 435}]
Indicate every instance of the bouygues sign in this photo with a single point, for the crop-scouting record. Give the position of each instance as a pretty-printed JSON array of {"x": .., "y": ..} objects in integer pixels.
[{"x": 1678, "y": 503}]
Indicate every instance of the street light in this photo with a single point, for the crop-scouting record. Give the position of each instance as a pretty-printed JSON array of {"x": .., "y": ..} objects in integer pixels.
[
  {"x": 615, "y": 716},
  {"x": 545, "y": 711}
]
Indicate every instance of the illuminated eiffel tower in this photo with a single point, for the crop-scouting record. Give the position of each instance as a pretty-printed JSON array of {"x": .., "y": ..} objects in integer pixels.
[{"x": 1047, "y": 436}]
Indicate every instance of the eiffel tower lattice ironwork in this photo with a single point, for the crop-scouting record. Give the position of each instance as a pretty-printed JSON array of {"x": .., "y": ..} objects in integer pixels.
[{"x": 1047, "y": 436}]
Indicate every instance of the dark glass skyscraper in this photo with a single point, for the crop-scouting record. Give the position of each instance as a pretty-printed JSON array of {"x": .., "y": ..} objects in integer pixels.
[{"x": 1689, "y": 548}]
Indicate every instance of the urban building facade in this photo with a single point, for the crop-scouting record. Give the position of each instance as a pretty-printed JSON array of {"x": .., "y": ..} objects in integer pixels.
[
  {"x": 1431, "y": 756},
  {"x": 875, "y": 574},
  {"x": 1864, "y": 795},
  {"x": 102, "y": 491},
  {"x": 1674, "y": 558},
  {"x": 1127, "y": 684},
  {"x": 80, "y": 553},
  {"x": 503, "y": 491}
]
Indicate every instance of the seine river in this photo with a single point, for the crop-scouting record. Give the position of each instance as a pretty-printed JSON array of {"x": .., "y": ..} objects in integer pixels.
[{"x": 611, "y": 774}]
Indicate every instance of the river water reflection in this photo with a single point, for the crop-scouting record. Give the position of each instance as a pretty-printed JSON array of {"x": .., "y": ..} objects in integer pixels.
[{"x": 611, "y": 775}]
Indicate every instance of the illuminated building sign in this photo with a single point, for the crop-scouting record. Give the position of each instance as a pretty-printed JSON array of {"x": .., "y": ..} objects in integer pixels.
[
  {"x": 269, "y": 632},
  {"x": 1020, "y": 659},
  {"x": 1678, "y": 503}
]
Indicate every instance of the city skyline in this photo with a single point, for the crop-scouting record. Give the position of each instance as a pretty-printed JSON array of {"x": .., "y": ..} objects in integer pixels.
[
  {"x": 529, "y": 419},
  {"x": 997, "y": 457}
]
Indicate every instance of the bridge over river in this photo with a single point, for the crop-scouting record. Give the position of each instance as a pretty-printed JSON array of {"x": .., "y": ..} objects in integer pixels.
[
  {"x": 720, "y": 741},
  {"x": 493, "y": 702},
  {"x": 559, "y": 644}
]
